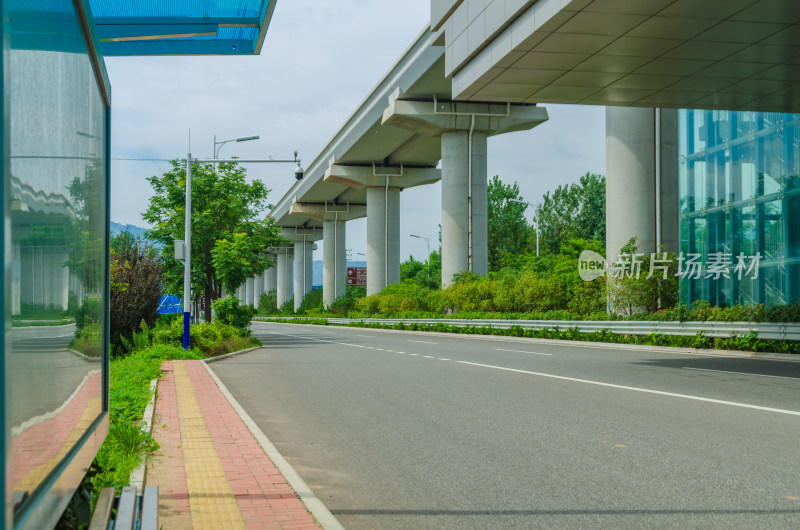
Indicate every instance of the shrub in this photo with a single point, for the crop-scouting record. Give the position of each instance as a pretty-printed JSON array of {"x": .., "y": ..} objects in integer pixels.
[
  {"x": 216, "y": 338},
  {"x": 135, "y": 287},
  {"x": 268, "y": 303},
  {"x": 312, "y": 302},
  {"x": 228, "y": 311}
]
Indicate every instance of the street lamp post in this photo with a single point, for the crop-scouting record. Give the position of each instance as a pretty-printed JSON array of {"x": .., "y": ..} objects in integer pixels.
[
  {"x": 536, "y": 224},
  {"x": 187, "y": 264},
  {"x": 428, "y": 259},
  {"x": 427, "y": 242}
]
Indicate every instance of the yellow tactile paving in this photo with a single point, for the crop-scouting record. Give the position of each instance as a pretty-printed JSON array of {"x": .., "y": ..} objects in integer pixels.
[{"x": 211, "y": 498}]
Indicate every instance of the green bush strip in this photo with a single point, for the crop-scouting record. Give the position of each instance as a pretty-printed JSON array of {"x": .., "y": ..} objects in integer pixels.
[{"x": 747, "y": 342}]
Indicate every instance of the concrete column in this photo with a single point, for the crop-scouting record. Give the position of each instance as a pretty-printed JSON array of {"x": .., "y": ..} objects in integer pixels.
[
  {"x": 383, "y": 237},
  {"x": 284, "y": 278},
  {"x": 271, "y": 277},
  {"x": 631, "y": 190},
  {"x": 258, "y": 289},
  {"x": 458, "y": 252},
  {"x": 303, "y": 270},
  {"x": 248, "y": 293},
  {"x": 334, "y": 260},
  {"x": 464, "y": 243}
]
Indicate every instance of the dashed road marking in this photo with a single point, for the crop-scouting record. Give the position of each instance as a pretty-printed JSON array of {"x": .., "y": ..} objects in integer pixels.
[
  {"x": 520, "y": 351},
  {"x": 421, "y": 341}
]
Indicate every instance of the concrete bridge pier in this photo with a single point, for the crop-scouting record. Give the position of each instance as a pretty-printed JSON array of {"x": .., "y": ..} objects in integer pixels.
[
  {"x": 383, "y": 237},
  {"x": 334, "y": 260},
  {"x": 464, "y": 199},
  {"x": 271, "y": 275},
  {"x": 248, "y": 291},
  {"x": 334, "y": 257},
  {"x": 258, "y": 289},
  {"x": 383, "y": 185},
  {"x": 284, "y": 285},
  {"x": 303, "y": 239},
  {"x": 464, "y": 129},
  {"x": 642, "y": 174}
]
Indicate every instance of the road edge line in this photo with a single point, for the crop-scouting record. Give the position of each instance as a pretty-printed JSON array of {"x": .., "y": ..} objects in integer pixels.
[{"x": 309, "y": 499}]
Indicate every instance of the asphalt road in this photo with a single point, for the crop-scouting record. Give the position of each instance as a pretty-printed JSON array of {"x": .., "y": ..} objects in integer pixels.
[{"x": 413, "y": 430}]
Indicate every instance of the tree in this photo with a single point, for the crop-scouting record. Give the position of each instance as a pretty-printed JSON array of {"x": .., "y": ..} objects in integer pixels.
[
  {"x": 239, "y": 258},
  {"x": 225, "y": 211},
  {"x": 574, "y": 211},
  {"x": 136, "y": 284},
  {"x": 637, "y": 284},
  {"x": 509, "y": 232}
]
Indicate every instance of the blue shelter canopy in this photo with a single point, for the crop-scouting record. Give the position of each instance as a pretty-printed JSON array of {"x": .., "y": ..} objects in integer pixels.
[{"x": 181, "y": 27}]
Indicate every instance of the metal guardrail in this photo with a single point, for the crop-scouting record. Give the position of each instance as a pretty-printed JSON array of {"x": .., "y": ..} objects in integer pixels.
[{"x": 765, "y": 330}]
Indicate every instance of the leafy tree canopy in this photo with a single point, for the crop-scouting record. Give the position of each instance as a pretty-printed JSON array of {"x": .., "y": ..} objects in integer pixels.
[
  {"x": 574, "y": 211},
  {"x": 509, "y": 232},
  {"x": 225, "y": 219}
]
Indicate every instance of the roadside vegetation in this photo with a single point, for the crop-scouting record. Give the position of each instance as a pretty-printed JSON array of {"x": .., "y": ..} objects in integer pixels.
[
  {"x": 141, "y": 341},
  {"x": 522, "y": 285}
]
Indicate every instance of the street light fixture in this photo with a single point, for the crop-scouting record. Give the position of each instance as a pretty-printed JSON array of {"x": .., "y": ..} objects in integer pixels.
[
  {"x": 427, "y": 242},
  {"x": 428, "y": 259},
  {"x": 187, "y": 254},
  {"x": 536, "y": 223},
  {"x": 223, "y": 142}
]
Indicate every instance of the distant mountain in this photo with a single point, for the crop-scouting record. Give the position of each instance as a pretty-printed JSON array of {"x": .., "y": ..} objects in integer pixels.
[
  {"x": 136, "y": 231},
  {"x": 316, "y": 277}
]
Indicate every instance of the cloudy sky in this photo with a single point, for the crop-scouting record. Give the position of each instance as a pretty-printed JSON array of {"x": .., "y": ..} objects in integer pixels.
[{"x": 320, "y": 59}]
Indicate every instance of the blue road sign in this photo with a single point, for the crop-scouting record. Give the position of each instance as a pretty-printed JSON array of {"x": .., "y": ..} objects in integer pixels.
[{"x": 170, "y": 304}]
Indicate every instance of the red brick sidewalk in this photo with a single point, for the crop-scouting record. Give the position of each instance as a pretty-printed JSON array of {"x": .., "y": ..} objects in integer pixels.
[{"x": 251, "y": 493}]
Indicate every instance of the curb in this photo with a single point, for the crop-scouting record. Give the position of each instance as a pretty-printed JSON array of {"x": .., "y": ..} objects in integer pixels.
[
  {"x": 228, "y": 355},
  {"x": 312, "y": 503},
  {"x": 137, "y": 475}
]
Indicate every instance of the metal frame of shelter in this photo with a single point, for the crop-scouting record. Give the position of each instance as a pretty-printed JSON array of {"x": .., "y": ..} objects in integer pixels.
[{"x": 182, "y": 27}]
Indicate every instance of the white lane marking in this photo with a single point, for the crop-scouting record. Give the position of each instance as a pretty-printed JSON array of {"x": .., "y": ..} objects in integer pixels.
[
  {"x": 366, "y": 336},
  {"x": 636, "y": 389},
  {"x": 414, "y": 354},
  {"x": 443, "y": 359},
  {"x": 402, "y": 352},
  {"x": 321, "y": 340},
  {"x": 421, "y": 341},
  {"x": 520, "y": 351},
  {"x": 740, "y": 373},
  {"x": 429, "y": 356}
]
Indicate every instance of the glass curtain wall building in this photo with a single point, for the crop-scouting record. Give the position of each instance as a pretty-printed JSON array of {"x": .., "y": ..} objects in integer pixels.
[
  {"x": 740, "y": 198},
  {"x": 55, "y": 206}
]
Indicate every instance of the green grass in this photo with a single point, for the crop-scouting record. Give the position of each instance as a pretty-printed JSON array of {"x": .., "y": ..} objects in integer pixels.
[{"x": 129, "y": 381}]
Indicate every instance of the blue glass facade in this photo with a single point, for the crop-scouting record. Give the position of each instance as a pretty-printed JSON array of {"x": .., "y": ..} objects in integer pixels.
[
  {"x": 55, "y": 208},
  {"x": 740, "y": 196}
]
